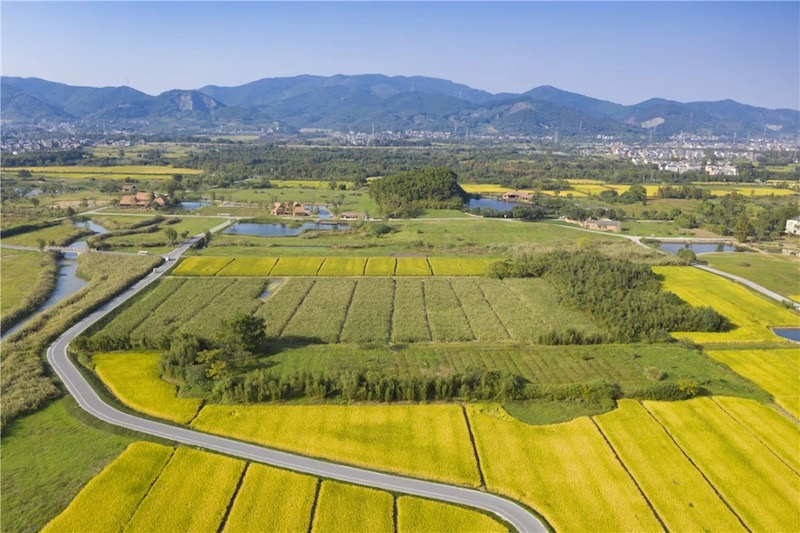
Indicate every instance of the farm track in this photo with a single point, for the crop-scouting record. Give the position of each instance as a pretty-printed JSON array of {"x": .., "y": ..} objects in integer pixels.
[{"x": 88, "y": 399}]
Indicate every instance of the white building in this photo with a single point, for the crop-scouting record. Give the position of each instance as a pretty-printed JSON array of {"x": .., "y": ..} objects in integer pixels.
[{"x": 793, "y": 226}]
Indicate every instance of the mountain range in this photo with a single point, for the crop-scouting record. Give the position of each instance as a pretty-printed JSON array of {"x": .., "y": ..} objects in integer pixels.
[{"x": 396, "y": 103}]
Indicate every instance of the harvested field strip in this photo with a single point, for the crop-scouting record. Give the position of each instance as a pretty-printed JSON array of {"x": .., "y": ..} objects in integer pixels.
[
  {"x": 180, "y": 499},
  {"x": 482, "y": 319},
  {"x": 134, "y": 378},
  {"x": 418, "y": 515},
  {"x": 521, "y": 325},
  {"x": 201, "y": 266},
  {"x": 447, "y": 320},
  {"x": 774, "y": 430},
  {"x": 429, "y": 441},
  {"x": 412, "y": 266},
  {"x": 677, "y": 490},
  {"x": 775, "y": 371},
  {"x": 565, "y": 471},
  {"x": 322, "y": 314},
  {"x": 109, "y": 500},
  {"x": 735, "y": 462},
  {"x": 370, "y": 312},
  {"x": 347, "y": 508},
  {"x": 126, "y": 321},
  {"x": 249, "y": 266},
  {"x": 297, "y": 266},
  {"x": 380, "y": 266},
  {"x": 279, "y": 308},
  {"x": 241, "y": 297},
  {"x": 409, "y": 320},
  {"x": 459, "y": 266},
  {"x": 343, "y": 266},
  {"x": 183, "y": 304},
  {"x": 270, "y": 499}
]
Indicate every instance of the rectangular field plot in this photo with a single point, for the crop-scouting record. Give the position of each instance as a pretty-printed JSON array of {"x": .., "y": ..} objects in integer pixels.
[
  {"x": 297, "y": 266},
  {"x": 429, "y": 441},
  {"x": 241, "y": 297},
  {"x": 201, "y": 266},
  {"x": 249, "y": 266},
  {"x": 565, "y": 471},
  {"x": 370, "y": 314},
  {"x": 272, "y": 500},
  {"x": 346, "y": 508},
  {"x": 677, "y": 490},
  {"x": 447, "y": 320},
  {"x": 409, "y": 320},
  {"x": 134, "y": 378},
  {"x": 418, "y": 515},
  {"x": 775, "y": 371},
  {"x": 459, "y": 266},
  {"x": 380, "y": 266},
  {"x": 127, "y": 320},
  {"x": 751, "y": 315},
  {"x": 735, "y": 462},
  {"x": 109, "y": 500},
  {"x": 482, "y": 319},
  {"x": 322, "y": 314},
  {"x": 412, "y": 266},
  {"x": 191, "y": 494},
  {"x": 343, "y": 266},
  {"x": 278, "y": 309}
]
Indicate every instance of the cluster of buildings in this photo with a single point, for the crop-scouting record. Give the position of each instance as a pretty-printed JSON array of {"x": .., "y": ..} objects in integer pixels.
[
  {"x": 294, "y": 209},
  {"x": 142, "y": 199}
]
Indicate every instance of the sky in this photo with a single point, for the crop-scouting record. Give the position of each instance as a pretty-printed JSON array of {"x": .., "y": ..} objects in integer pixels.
[{"x": 623, "y": 52}]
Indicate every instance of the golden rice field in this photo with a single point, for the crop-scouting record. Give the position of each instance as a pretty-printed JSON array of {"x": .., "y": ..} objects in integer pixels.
[
  {"x": 297, "y": 266},
  {"x": 180, "y": 499},
  {"x": 201, "y": 266},
  {"x": 678, "y": 492},
  {"x": 775, "y": 431},
  {"x": 753, "y": 191},
  {"x": 271, "y": 499},
  {"x": 133, "y": 378},
  {"x": 751, "y": 315},
  {"x": 429, "y": 441},
  {"x": 485, "y": 188},
  {"x": 380, "y": 266},
  {"x": 153, "y": 172},
  {"x": 412, "y": 266},
  {"x": 760, "y": 487},
  {"x": 776, "y": 371},
  {"x": 343, "y": 266},
  {"x": 417, "y": 515},
  {"x": 343, "y": 508},
  {"x": 248, "y": 266},
  {"x": 117, "y": 491},
  {"x": 565, "y": 471}
]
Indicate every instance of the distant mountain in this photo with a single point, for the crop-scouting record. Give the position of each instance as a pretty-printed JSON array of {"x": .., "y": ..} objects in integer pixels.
[{"x": 394, "y": 103}]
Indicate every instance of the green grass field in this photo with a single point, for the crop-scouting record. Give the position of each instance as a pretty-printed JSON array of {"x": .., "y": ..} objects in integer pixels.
[
  {"x": 19, "y": 272},
  {"x": 59, "y": 234},
  {"x": 779, "y": 273}
]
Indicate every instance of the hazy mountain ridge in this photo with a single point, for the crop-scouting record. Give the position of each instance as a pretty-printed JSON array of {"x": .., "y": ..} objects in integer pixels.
[{"x": 389, "y": 103}]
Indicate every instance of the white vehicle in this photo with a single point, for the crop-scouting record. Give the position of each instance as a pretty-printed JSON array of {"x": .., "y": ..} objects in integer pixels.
[{"x": 142, "y": 252}]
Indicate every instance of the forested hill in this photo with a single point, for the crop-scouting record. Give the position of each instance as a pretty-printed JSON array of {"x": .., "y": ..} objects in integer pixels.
[{"x": 396, "y": 103}]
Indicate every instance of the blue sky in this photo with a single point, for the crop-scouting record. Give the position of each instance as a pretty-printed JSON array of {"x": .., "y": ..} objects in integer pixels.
[{"x": 624, "y": 52}]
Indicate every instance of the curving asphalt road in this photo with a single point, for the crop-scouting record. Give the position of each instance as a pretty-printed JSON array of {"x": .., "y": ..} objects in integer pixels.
[{"x": 516, "y": 515}]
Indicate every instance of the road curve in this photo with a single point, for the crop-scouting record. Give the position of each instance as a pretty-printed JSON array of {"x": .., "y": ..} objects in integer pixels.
[
  {"x": 744, "y": 281},
  {"x": 516, "y": 515}
]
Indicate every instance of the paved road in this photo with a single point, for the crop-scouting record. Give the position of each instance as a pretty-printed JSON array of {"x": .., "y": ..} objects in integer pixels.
[
  {"x": 522, "y": 519},
  {"x": 748, "y": 283}
]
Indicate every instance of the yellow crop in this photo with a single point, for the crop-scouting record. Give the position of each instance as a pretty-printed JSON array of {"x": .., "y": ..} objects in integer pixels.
[
  {"x": 484, "y": 188},
  {"x": 297, "y": 266},
  {"x": 380, "y": 266},
  {"x": 109, "y": 500},
  {"x": 191, "y": 494},
  {"x": 566, "y": 472},
  {"x": 118, "y": 172},
  {"x": 201, "y": 266},
  {"x": 134, "y": 379},
  {"x": 750, "y": 314},
  {"x": 678, "y": 492},
  {"x": 412, "y": 266},
  {"x": 418, "y": 515},
  {"x": 775, "y": 371},
  {"x": 428, "y": 441},
  {"x": 760, "y": 488},
  {"x": 272, "y": 500},
  {"x": 347, "y": 508},
  {"x": 754, "y": 191},
  {"x": 343, "y": 266},
  {"x": 249, "y": 266},
  {"x": 773, "y": 429},
  {"x": 459, "y": 266}
]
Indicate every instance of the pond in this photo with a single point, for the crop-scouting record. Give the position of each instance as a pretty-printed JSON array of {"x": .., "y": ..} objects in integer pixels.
[
  {"x": 191, "y": 205},
  {"x": 494, "y": 203},
  {"x": 264, "y": 229},
  {"x": 697, "y": 248},
  {"x": 793, "y": 334}
]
